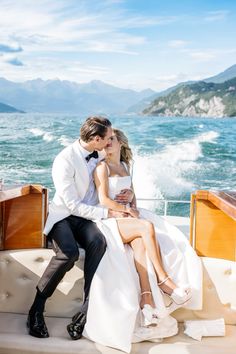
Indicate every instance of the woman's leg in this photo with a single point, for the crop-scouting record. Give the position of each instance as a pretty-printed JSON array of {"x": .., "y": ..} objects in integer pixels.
[
  {"x": 141, "y": 267},
  {"x": 130, "y": 229}
]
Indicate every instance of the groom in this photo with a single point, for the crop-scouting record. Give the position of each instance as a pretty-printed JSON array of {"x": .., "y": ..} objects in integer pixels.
[{"x": 69, "y": 221}]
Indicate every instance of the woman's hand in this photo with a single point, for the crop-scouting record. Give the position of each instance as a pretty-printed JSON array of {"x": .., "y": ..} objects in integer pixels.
[
  {"x": 125, "y": 196},
  {"x": 133, "y": 212}
]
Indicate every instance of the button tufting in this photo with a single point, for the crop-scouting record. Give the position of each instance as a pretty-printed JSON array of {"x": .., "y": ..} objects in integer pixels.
[
  {"x": 5, "y": 295},
  {"x": 209, "y": 286}
]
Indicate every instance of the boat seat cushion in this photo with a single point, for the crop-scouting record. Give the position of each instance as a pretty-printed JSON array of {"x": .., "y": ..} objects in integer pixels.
[
  {"x": 14, "y": 339},
  {"x": 20, "y": 271},
  {"x": 219, "y": 289}
]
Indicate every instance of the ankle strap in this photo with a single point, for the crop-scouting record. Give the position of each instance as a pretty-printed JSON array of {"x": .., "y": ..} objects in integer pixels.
[
  {"x": 146, "y": 292},
  {"x": 164, "y": 280}
]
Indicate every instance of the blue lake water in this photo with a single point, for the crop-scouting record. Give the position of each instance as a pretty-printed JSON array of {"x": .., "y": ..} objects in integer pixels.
[{"x": 172, "y": 156}]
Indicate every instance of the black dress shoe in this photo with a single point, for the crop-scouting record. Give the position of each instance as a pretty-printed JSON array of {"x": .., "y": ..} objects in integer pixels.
[
  {"x": 76, "y": 327},
  {"x": 36, "y": 325}
]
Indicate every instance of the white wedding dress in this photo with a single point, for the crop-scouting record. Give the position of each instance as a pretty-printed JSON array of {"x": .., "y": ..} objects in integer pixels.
[{"x": 114, "y": 314}]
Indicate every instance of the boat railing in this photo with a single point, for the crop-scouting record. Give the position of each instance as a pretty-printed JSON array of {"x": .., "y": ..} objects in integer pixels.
[{"x": 166, "y": 202}]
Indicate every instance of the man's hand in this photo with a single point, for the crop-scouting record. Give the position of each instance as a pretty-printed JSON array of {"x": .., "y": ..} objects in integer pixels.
[
  {"x": 117, "y": 214},
  {"x": 133, "y": 212},
  {"x": 125, "y": 196}
]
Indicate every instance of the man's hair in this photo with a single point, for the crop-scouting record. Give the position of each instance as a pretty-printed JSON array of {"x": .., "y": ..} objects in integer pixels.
[{"x": 93, "y": 126}]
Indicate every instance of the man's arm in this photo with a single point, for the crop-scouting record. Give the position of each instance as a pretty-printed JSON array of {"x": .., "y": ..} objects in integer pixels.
[
  {"x": 63, "y": 177},
  {"x": 126, "y": 196}
]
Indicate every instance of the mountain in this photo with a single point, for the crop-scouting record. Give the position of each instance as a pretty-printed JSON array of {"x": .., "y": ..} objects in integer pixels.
[
  {"x": 201, "y": 99},
  {"x": 141, "y": 105},
  {"x": 56, "y": 96},
  {"x": 5, "y": 108},
  {"x": 228, "y": 74},
  {"x": 224, "y": 76}
]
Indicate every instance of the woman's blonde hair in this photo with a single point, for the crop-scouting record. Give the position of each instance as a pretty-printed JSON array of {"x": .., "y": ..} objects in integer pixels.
[{"x": 125, "y": 152}]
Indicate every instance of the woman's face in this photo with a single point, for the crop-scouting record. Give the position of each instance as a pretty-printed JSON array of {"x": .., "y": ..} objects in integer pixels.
[{"x": 113, "y": 145}]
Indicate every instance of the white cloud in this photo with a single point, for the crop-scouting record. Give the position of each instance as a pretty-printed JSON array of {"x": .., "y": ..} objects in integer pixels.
[
  {"x": 82, "y": 40},
  {"x": 177, "y": 43},
  {"x": 47, "y": 26},
  {"x": 202, "y": 55},
  {"x": 167, "y": 78},
  {"x": 213, "y": 16},
  {"x": 63, "y": 29},
  {"x": 139, "y": 81}
]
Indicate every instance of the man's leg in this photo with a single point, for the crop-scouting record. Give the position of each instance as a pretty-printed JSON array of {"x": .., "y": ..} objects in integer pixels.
[
  {"x": 67, "y": 253},
  {"x": 92, "y": 240},
  {"x": 94, "y": 243},
  {"x": 66, "y": 249}
]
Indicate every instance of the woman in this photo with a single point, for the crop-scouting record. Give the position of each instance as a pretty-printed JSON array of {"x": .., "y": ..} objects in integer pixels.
[
  {"x": 116, "y": 166},
  {"x": 120, "y": 298}
]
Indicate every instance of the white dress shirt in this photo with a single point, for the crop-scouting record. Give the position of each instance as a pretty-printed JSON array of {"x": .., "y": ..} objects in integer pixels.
[{"x": 91, "y": 196}]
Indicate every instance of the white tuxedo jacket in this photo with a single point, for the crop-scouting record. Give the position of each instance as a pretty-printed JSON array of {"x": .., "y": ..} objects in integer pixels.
[{"x": 71, "y": 180}]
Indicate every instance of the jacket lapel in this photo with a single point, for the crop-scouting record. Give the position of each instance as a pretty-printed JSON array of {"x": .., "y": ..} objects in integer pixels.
[{"x": 81, "y": 168}]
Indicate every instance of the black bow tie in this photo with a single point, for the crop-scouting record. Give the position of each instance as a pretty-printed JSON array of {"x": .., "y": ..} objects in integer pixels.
[{"x": 93, "y": 154}]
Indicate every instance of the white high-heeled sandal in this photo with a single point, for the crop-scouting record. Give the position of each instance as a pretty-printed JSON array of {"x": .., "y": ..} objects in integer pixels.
[
  {"x": 179, "y": 295},
  {"x": 150, "y": 314}
]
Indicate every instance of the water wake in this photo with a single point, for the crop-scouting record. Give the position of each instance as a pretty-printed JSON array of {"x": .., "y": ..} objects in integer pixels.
[
  {"x": 169, "y": 172},
  {"x": 48, "y": 137},
  {"x": 45, "y": 135}
]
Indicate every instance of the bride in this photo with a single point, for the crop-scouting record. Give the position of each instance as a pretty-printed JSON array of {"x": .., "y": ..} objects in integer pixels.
[{"x": 169, "y": 274}]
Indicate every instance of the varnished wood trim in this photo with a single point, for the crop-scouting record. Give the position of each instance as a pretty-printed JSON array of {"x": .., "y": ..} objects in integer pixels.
[
  {"x": 192, "y": 219},
  {"x": 13, "y": 192},
  {"x": 201, "y": 194},
  {"x": 224, "y": 202},
  {"x": 23, "y": 212},
  {"x": 36, "y": 188}
]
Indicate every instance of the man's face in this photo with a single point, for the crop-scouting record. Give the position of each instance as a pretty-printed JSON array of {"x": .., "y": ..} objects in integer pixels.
[{"x": 101, "y": 143}]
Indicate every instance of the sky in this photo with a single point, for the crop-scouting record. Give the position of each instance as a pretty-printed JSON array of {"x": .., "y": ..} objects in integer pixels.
[{"x": 136, "y": 44}]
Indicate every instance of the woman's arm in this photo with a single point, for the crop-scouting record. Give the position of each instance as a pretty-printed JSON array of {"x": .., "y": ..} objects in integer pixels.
[{"x": 102, "y": 185}]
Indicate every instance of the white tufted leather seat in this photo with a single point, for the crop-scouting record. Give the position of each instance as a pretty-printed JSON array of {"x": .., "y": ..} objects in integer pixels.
[
  {"x": 19, "y": 274},
  {"x": 20, "y": 271}
]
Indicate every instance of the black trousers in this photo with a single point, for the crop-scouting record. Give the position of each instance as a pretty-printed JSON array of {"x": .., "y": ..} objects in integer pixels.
[{"x": 66, "y": 235}]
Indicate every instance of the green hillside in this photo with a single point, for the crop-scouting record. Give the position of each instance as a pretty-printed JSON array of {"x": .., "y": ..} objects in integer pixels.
[{"x": 200, "y": 99}]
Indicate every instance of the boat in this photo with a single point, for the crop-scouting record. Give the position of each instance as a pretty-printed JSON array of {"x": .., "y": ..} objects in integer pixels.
[{"x": 25, "y": 253}]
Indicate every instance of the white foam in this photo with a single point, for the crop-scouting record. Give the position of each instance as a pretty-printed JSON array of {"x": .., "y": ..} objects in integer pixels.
[
  {"x": 48, "y": 137},
  {"x": 162, "y": 141},
  {"x": 169, "y": 171},
  {"x": 210, "y": 137},
  {"x": 64, "y": 141},
  {"x": 144, "y": 181},
  {"x": 36, "y": 131},
  {"x": 45, "y": 135}
]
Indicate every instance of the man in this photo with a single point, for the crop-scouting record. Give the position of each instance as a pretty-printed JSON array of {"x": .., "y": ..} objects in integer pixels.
[{"x": 69, "y": 222}]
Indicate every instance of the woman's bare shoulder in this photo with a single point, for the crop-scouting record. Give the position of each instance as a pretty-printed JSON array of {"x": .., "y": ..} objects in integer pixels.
[
  {"x": 102, "y": 164},
  {"x": 102, "y": 167}
]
